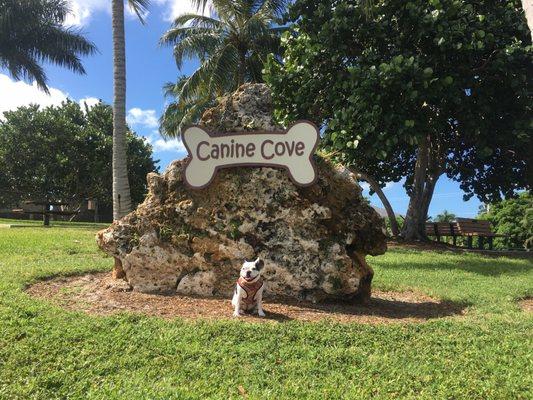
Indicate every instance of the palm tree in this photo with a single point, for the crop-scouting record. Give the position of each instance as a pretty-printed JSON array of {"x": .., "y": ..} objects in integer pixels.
[
  {"x": 445, "y": 217},
  {"x": 179, "y": 113},
  {"x": 121, "y": 186},
  {"x": 232, "y": 46},
  {"x": 32, "y": 32}
]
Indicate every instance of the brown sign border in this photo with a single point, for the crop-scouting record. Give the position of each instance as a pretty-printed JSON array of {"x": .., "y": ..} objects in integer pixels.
[{"x": 265, "y": 164}]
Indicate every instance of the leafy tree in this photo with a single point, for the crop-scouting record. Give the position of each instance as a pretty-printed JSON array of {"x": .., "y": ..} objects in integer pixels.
[
  {"x": 65, "y": 153},
  {"x": 389, "y": 226},
  {"x": 414, "y": 89},
  {"x": 445, "y": 217},
  {"x": 232, "y": 47},
  {"x": 513, "y": 217},
  {"x": 33, "y": 32}
]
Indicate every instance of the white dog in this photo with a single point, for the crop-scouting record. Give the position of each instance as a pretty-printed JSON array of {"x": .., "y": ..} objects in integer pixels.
[{"x": 248, "y": 294}]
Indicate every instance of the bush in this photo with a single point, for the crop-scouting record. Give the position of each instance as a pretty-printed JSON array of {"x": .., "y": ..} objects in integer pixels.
[{"x": 513, "y": 217}]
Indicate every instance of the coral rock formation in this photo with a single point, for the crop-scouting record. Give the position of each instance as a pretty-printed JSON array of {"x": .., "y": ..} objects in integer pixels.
[{"x": 314, "y": 240}]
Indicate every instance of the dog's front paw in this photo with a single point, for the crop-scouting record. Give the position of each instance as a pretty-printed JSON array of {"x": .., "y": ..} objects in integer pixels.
[
  {"x": 236, "y": 314},
  {"x": 261, "y": 313}
]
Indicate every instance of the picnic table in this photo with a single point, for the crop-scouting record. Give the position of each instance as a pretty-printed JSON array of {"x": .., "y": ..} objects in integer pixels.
[
  {"x": 46, "y": 210},
  {"x": 465, "y": 227}
]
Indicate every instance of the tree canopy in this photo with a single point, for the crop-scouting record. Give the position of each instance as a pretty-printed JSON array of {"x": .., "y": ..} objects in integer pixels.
[
  {"x": 33, "y": 32},
  {"x": 414, "y": 89},
  {"x": 232, "y": 46},
  {"x": 64, "y": 153}
]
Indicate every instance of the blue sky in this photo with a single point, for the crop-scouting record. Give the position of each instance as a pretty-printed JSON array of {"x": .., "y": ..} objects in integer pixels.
[{"x": 149, "y": 66}]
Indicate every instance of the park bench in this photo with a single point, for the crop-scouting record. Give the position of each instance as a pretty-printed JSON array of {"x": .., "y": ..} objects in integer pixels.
[
  {"x": 465, "y": 227},
  {"x": 46, "y": 210}
]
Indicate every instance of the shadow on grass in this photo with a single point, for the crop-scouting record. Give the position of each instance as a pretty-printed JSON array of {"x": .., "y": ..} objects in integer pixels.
[{"x": 376, "y": 309}]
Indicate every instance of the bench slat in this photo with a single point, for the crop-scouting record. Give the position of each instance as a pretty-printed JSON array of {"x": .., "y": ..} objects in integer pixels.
[
  {"x": 463, "y": 227},
  {"x": 442, "y": 229}
]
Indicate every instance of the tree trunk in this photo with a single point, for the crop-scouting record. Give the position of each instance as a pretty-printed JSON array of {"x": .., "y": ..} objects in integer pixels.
[
  {"x": 96, "y": 215},
  {"x": 528, "y": 9},
  {"x": 427, "y": 172},
  {"x": 376, "y": 188},
  {"x": 121, "y": 187},
  {"x": 241, "y": 75}
]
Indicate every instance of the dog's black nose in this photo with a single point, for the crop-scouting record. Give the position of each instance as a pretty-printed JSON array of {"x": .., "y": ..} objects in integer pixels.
[{"x": 248, "y": 273}]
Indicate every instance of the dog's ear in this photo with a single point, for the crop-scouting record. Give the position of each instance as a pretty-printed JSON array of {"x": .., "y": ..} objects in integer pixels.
[{"x": 259, "y": 263}]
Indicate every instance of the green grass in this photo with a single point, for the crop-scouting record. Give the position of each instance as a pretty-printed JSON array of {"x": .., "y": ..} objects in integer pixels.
[
  {"x": 48, "y": 353},
  {"x": 62, "y": 224}
]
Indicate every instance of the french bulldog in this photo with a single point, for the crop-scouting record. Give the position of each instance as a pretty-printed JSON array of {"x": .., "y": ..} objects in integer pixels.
[{"x": 248, "y": 294}]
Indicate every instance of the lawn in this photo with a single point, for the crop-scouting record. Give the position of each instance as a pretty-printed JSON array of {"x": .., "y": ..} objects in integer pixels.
[{"x": 48, "y": 353}]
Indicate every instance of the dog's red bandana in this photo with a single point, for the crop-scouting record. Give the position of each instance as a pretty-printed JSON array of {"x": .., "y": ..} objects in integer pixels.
[{"x": 251, "y": 289}]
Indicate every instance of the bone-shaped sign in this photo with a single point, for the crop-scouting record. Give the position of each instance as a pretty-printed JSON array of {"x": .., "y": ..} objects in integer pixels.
[{"x": 292, "y": 149}]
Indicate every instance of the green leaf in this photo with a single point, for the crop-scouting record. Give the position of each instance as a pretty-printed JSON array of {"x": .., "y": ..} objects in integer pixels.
[{"x": 448, "y": 80}]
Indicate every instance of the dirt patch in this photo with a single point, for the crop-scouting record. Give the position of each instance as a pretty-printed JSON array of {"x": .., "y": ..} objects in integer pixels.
[
  {"x": 526, "y": 304},
  {"x": 101, "y": 295}
]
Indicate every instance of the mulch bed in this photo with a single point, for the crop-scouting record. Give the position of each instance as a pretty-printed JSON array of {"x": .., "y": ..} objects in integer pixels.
[{"x": 99, "y": 294}]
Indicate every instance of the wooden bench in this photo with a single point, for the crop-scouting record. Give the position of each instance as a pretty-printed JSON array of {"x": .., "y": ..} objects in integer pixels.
[
  {"x": 440, "y": 229},
  {"x": 477, "y": 227},
  {"x": 46, "y": 211},
  {"x": 464, "y": 227}
]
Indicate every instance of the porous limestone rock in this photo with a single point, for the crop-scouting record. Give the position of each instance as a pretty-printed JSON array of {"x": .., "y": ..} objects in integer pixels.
[{"x": 314, "y": 240}]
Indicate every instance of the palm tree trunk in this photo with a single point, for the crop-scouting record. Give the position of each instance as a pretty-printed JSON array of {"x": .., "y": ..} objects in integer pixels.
[
  {"x": 121, "y": 186},
  {"x": 242, "y": 68}
]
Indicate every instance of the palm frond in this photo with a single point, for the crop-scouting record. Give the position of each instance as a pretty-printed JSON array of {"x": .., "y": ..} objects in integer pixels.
[
  {"x": 140, "y": 7},
  {"x": 197, "y": 20},
  {"x": 200, "y": 4},
  {"x": 224, "y": 66},
  {"x": 197, "y": 84},
  {"x": 272, "y": 8},
  {"x": 33, "y": 32},
  {"x": 174, "y": 35},
  {"x": 195, "y": 46}
]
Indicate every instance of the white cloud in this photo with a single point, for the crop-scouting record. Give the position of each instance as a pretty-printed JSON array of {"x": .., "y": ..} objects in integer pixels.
[
  {"x": 175, "y": 8},
  {"x": 169, "y": 145},
  {"x": 131, "y": 14},
  {"x": 90, "y": 101},
  {"x": 159, "y": 144},
  {"x": 139, "y": 117},
  {"x": 82, "y": 10},
  {"x": 16, "y": 94}
]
